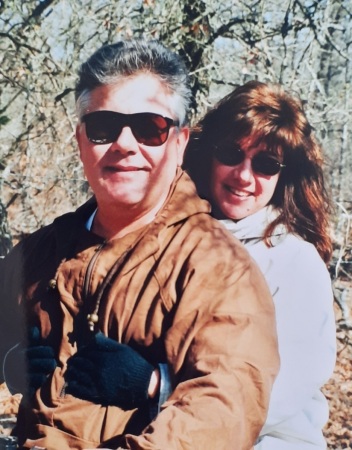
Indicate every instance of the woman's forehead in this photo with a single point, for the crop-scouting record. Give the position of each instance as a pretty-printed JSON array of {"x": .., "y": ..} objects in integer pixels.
[{"x": 259, "y": 142}]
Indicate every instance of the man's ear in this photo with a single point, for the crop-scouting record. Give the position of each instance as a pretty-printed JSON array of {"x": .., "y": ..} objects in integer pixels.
[{"x": 182, "y": 141}]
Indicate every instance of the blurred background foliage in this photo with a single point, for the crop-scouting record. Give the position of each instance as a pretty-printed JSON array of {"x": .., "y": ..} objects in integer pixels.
[{"x": 303, "y": 44}]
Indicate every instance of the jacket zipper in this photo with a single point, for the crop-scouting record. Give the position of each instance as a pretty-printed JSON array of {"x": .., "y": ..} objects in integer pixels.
[
  {"x": 86, "y": 283},
  {"x": 90, "y": 267}
]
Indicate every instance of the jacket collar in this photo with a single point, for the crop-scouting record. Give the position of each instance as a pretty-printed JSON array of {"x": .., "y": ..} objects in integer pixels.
[{"x": 181, "y": 203}]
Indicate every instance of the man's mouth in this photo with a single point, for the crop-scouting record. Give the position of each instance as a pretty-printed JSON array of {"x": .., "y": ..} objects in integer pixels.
[{"x": 124, "y": 169}]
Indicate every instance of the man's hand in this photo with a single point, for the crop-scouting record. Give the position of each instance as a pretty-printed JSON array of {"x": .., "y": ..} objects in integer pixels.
[
  {"x": 27, "y": 365},
  {"x": 109, "y": 373}
]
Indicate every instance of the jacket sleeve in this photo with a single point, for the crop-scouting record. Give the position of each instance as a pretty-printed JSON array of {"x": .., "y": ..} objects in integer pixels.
[
  {"x": 222, "y": 354},
  {"x": 18, "y": 269},
  {"x": 12, "y": 329},
  {"x": 2, "y": 345},
  {"x": 307, "y": 345}
]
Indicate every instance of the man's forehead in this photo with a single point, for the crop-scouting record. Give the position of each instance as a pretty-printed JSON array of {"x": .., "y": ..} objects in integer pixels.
[{"x": 142, "y": 92}]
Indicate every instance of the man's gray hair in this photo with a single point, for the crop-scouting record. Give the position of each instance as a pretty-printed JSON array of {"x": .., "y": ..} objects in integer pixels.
[{"x": 109, "y": 64}]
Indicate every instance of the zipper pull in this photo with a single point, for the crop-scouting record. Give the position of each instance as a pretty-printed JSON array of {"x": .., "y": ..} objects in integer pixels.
[{"x": 92, "y": 320}]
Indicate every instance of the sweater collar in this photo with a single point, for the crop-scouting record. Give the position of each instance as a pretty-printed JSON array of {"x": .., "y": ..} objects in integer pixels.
[{"x": 253, "y": 226}]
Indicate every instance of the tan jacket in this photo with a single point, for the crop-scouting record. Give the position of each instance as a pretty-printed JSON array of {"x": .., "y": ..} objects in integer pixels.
[{"x": 181, "y": 291}]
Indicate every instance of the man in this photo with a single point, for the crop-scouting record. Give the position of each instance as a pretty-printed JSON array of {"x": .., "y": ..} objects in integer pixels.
[{"x": 138, "y": 276}]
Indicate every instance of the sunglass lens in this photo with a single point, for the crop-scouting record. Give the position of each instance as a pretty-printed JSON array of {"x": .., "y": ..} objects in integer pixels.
[
  {"x": 102, "y": 127},
  {"x": 150, "y": 129},
  {"x": 229, "y": 155},
  {"x": 265, "y": 164}
]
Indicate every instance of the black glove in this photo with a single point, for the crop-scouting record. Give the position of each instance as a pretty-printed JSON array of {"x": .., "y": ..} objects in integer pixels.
[
  {"x": 27, "y": 365},
  {"x": 109, "y": 373}
]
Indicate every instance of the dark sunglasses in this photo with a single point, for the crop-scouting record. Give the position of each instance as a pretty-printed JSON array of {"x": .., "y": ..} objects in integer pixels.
[
  {"x": 104, "y": 127},
  {"x": 263, "y": 162}
]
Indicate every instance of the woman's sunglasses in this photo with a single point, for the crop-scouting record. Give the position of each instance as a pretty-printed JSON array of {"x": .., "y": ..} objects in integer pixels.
[
  {"x": 262, "y": 163},
  {"x": 104, "y": 127}
]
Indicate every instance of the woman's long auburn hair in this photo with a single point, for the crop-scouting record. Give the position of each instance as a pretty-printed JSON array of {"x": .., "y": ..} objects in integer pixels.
[{"x": 277, "y": 119}]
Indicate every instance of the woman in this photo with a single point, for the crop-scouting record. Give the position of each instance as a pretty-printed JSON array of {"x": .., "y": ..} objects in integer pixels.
[{"x": 255, "y": 158}]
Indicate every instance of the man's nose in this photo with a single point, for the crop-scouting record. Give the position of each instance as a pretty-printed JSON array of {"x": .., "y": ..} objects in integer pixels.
[{"x": 125, "y": 142}]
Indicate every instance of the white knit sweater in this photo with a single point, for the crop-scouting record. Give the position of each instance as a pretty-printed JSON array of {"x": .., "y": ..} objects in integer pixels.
[{"x": 300, "y": 284}]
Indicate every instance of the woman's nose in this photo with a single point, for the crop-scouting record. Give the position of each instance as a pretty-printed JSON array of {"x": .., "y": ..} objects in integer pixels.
[{"x": 244, "y": 171}]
